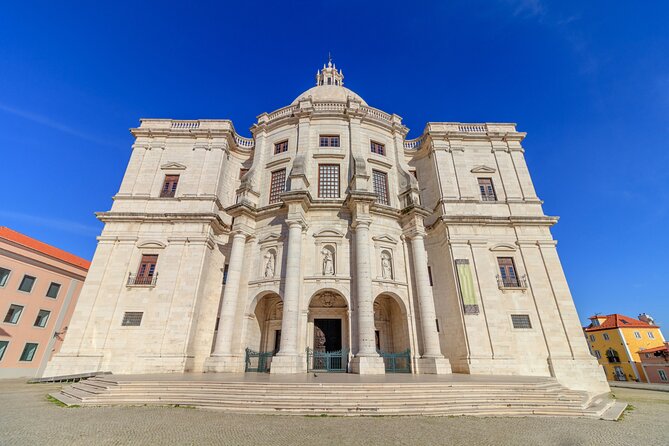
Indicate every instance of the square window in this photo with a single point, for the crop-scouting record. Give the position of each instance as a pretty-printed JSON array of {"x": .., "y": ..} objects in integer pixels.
[
  {"x": 592, "y": 338},
  {"x": 53, "y": 290},
  {"x": 328, "y": 141},
  {"x": 169, "y": 186},
  {"x": 277, "y": 186},
  {"x": 487, "y": 190},
  {"x": 28, "y": 352},
  {"x": 521, "y": 321},
  {"x": 3, "y": 348},
  {"x": 637, "y": 335},
  {"x": 132, "y": 318},
  {"x": 380, "y": 182},
  {"x": 27, "y": 283},
  {"x": 4, "y": 276},
  {"x": 606, "y": 337},
  {"x": 328, "y": 180},
  {"x": 42, "y": 318},
  {"x": 377, "y": 147},
  {"x": 13, "y": 314},
  {"x": 281, "y": 147},
  {"x": 651, "y": 335}
]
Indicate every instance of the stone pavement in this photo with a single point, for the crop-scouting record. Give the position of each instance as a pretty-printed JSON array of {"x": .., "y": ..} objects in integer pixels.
[{"x": 27, "y": 418}]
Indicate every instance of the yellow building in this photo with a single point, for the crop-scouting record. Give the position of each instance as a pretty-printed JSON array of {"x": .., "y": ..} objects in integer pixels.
[{"x": 615, "y": 340}]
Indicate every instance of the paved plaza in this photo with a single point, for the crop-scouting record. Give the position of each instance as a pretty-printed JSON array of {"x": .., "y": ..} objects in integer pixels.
[{"x": 28, "y": 418}]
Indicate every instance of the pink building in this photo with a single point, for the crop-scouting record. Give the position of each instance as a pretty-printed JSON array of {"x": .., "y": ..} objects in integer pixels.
[
  {"x": 655, "y": 363},
  {"x": 39, "y": 287}
]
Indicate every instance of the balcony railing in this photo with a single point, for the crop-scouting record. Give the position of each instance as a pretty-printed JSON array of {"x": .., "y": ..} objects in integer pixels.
[
  {"x": 512, "y": 282},
  {"x": 134, "y": 279}
]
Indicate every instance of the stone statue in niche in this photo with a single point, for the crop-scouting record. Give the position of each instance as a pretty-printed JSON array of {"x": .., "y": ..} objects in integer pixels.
[
  {"x": 269, "y": 265},
  {"x": 328, "y": 264},
  {"x": 386, "y": 268}
]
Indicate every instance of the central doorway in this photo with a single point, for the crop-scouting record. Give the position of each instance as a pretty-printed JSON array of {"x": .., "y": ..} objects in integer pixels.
[{"x": 327, "y": 335}]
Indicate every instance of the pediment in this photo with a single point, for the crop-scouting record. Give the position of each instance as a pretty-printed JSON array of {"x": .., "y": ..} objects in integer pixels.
[
  {"x": 385, "y": 238},
  {"x": 173, "y": 165},
  {"x": 483, "y": 169},
  {"x": 270, "y": 238},
  {"x": 329, "y": 233},
  {"x": 503, "y": 247},
  {"x": 155, "y": 244}
]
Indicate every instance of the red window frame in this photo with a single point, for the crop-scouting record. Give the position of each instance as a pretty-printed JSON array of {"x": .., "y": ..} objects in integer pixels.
[
  {"x": 277, "y": 185},
  {"x": 281, "y": 147},
  {"x": 377, "y": 147},
  {"x": 169, "y": 188}
]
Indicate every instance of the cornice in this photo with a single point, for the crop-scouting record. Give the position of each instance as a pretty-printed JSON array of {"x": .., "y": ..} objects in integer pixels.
[{"x": 210, "y": 217}]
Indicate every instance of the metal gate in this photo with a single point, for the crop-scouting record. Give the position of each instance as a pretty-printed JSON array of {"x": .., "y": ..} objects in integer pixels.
[
  {"x": 258, "y": 361},
  {"x": 397, "y": 362},
  {"x": 336, "y": 361}
]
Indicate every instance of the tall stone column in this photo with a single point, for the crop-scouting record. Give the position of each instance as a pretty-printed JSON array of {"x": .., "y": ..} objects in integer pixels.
[
  {"x": 367, "y": 361},
  {"x": 288, "y": 359},
  {"x": 223, "y": 359},
  {"x": 431, "y": 360}
]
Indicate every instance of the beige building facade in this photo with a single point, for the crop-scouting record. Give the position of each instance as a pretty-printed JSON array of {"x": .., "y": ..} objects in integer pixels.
[{"x": 328, "y": 232}]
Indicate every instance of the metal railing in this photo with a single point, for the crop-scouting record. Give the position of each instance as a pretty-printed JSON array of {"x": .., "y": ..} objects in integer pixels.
[
  {"x": 134, "y": 279},
  {"x": 512, "y": 282},
  {"x": 336, "y": 361},
  {"x": 259, "y": 362},
  {"x": 397, "y": 362}
]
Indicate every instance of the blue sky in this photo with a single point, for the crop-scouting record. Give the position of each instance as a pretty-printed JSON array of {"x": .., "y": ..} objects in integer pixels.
[{"x": 588, "y": 81}]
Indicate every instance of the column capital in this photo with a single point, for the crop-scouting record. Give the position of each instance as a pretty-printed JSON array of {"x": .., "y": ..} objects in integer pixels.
[
  {"x": 361, "y": 222},
  {"x": 293, "y": 222}
]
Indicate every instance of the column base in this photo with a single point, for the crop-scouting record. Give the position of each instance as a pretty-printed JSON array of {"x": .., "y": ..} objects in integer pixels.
[
  {"x": 368, "y": 365},
  {"x": 224, "y": 364},
  {"x": 433, "y": 366},
  {"x": 288, "y": 364}
]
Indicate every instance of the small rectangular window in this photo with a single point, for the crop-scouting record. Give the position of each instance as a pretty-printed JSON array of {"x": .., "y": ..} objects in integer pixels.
[
  {"x": 637, "y": 335},
  {"x": 507, "y": 270},
  {"x": 132, "y": 318},
  {"x": 42, "y": 318},
  {"x": 663, "y": 375},
  {"x": 225, "y": 273},
  {"x": 605, "y": 336},
  {"x": 146, "y": 273},
  {"x": 487, "y": 190},
  {"x": 328, "y": 180},
  {"x": 592, "y": 338},
  {"x": 328, "y": 141},
  {"x": 436, "y": 321},
  {"x": 242, "y": 172},
  {"x": 28, "y": 352},
  {"x": 13, "y": 314},
  {"x": 3, "y": 348},
  {"x": 413, "y": 172},
  {"x": 651, "y": 335},
  {"x": 377, "y": 147},
  {"x": 380, "y": 183},
  {"x": 598, "y": 354},
  {"x": 521, "y": 321},
  {"x": 27, "y": 283},
  {"x": 53, "y": 290},
  {"x": 169, "y": 186},
  {"x": 277, "y": 186},
  {"x": 429, "y": 275},
  {"x": 4, "y": 276},
  {"x": 281, "y": 147}
]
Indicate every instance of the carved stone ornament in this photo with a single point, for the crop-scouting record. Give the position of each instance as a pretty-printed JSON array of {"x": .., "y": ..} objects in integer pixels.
[
  {"x": 269, "y": 265},
  {"x": 328, "y": 264},
  {"x": 386, "y": 267}
]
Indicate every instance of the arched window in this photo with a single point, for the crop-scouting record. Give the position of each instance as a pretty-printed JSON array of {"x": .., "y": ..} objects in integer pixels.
[{"x": 612, "y": 355}]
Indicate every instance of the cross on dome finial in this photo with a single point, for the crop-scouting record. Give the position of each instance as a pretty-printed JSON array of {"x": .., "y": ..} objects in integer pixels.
[{"x": 329, "y": 74}]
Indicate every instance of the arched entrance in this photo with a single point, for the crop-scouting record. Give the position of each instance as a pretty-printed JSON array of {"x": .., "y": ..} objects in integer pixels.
[
  {"x": 392, "y": 333},
  {"x": 328, "y": 340},
  {"x": 263, "y": 338}
]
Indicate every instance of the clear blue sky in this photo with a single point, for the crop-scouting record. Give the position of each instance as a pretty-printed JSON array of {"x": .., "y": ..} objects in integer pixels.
[{"x": 588, "y": 81}]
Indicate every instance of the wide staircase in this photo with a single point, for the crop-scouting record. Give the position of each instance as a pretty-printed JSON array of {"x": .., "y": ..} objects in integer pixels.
[{"x": 495, "y": 398}]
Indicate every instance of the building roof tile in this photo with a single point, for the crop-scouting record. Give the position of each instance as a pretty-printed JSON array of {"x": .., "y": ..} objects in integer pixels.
[
  {"x": 656, "y": 349},
  {"x": 618, "y": 321},
  {"x": 43, "y": 248}
]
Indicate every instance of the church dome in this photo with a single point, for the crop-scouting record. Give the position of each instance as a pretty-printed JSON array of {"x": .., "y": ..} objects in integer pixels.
[{"x": 329, "y": 87}]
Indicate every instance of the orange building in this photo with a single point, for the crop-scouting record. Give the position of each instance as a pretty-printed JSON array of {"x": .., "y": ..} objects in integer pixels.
[
  {"x": 39, "y": 287},
  {"x": 615, "y": 340}
]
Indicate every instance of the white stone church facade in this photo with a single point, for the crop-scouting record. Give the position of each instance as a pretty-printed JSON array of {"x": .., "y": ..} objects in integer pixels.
[{"x": 328, "y": 231}]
